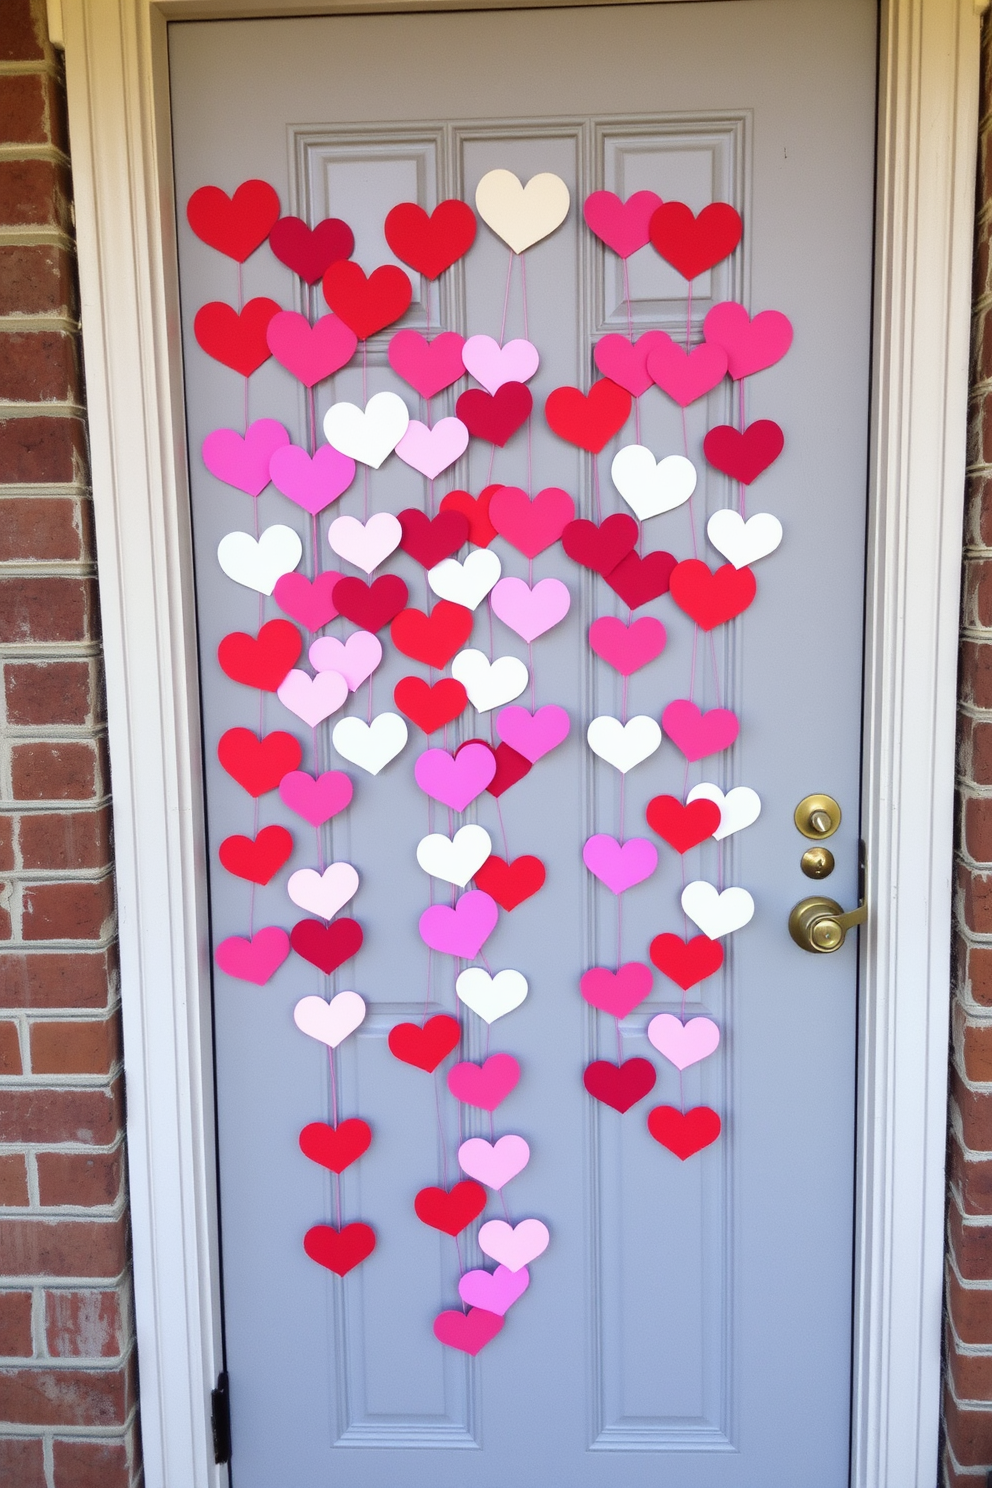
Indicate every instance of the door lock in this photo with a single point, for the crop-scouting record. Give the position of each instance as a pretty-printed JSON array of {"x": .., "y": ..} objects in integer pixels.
[{"x": 820, "y": 925}]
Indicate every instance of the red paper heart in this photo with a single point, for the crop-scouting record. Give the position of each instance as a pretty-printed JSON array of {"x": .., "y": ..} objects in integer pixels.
[
  {"x": 326, "y": 946},
  {"x": 638, "y": 580},
  {"x": 371, "y": 606},
  {"x": 451, "y": 1211},
  {"x": 367, "y": 304},
  {"x": 335, "y": 1147},
  {"x": 588, "y": 419},
  {"x": 259, "y": 859},
  {"x": 711, "y": 598},
  {"x": 425, "y": 1047},
  {"x": 430, "y": 244},
  {"x": 434, "y": 638},
  {"x": 312, "y": 604},
  {"x": 495, "y": 416},
  {"x": 686, "y": 964},
  {"x": 339, "y": 1250},
  {"x": 510, "y": 883},
  {"x": 684, "y": 1132},
  {"x": 681, "y": 826},
  {"x": 235, "y": 225},
  {"x": 480, "y": 530},
  {"x": 258, "y": 764},
  {"x": 430, "y": 540},
  {"x": 600, "y": 548},
  {"x": 310, "y": 251},
  {"x": 531, "y": 526},
  {"x": 428, "y": 707},
  {"x": 261, "y": 661},
  {"x": 619, "y": 1086},
  {"x": 510, "y": 767},
  {"x": 744, "y": 456},
  {"x": 237, "y": 341},
  {"x": 694, "y": 244}
]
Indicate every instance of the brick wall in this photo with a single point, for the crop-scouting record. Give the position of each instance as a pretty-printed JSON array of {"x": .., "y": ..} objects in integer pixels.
[{"x": 67, "y": 1379}]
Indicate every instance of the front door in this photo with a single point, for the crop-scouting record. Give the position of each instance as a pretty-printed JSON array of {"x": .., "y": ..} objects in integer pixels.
[{"x": 535, "y": 1125}]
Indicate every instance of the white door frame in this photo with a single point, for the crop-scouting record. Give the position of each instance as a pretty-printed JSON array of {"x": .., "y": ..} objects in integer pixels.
[{"x": 119, "y": 126}]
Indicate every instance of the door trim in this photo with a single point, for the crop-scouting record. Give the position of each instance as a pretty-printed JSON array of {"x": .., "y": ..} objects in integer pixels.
[{"x": 116, "y": 65}]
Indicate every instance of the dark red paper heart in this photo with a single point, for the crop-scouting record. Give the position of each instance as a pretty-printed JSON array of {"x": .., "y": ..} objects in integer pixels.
[
  {"x": 430, "y": 540},
  {"x": 434, "y": 638},
  {"x": 684, "y": 1132},
  {"x": 682, "y": 827},
  {"x": 510, "y": 883},
  {"x": 326, "y": 946},
  {"x": 425, "y": 1047},
  {"x": 619, "y": 1086},
  {"x": 510, "y": 767},
  {"x": 339, "y": 1250},
  {"x": 430, "y": 244},
  {"x": 258, "y": 764},
  {"x": 367, "y": 304},
  {"x": 335, "y": 1147},
  {"x": 638, "y": 580},
  {"x": 694, "y": 244},
  {"x": 588, "y": 420},
  {"x": 451, "y": 1211},
  {"x": 261, "y": 661},
  {"x": 683, "y": 963},
  {"x": 480, "y": 530},
  {"x": 495, "y": 416},
  {"x": 310, "y": 251},
  {"x": 744, "y": 456},
  {"x": 259, "y": 859},
  {"x": 236, "y": 341},
  {"x": 371, "y": 606},
  {"x": 600, "y": 548},
  {"x": 428, "y": 707},
  {"x": 235, "y": 225},
  {"x": 710, "y": 598}
]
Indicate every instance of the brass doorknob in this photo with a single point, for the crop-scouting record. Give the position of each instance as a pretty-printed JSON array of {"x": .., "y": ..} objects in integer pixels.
[{"x": 820, "y": 925}]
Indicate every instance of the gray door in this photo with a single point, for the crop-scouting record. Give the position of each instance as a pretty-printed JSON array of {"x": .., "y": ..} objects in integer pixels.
[{"x": 688, "y": 1324}]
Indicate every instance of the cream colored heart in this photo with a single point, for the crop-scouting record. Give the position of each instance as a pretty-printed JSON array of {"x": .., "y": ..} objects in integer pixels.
[
  {"x": 651, "y": 486},
  {"x": 489, "y": 683},
  {"x": 716, "y": 914},
  {"x": 370, "y": 746},
  {"x": 259, "y": 563},
  {"x": 738, "y": 808},
  {"x": 624, "y": 745},
  {"x": 491, "y": 997},
  {"x": 744, "y": 542},
  {"x": 522, "y": 215},
  {"x": 454, "y": 859},
  {"x": 465, "y": 583}
]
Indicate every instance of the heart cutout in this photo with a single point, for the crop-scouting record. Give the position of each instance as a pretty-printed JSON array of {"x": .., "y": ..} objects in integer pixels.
[
  {"x": 531, "y": 525},
  {"x": 430, "y": 708},
  {"x": 256, "y": 959},
  {"x": 694, "y": 244},
  {"x": 494, "y": 417},
  {"x": 682, "y": 827},
  {"x": 429, "y": 366},
  {"x": 617, "y": 992},
  {"x": 432, "y": 639},
  {"x": 236, "y": 340},
  {"x": 308, "y": 251},
  {"x": 684, "y": 1134},
  {"x": 335, "y": 1147},
  {"x": 339, "y": 1250},
  {"x": 451, "y": 1211},
  {"x": 469, "y": 1332},
  {"x": 260, "y": 661},
  {"x": 601, "y": 547},
  {"x": 622, "y": 225},
  {"x": 619, "y": 1086},
  {"x": 686, "y": 963},
  {"x": 744, "y": 456},
  {"x": 367, "y": 303},
  {"x": 425, "y": 1047},
  {"x": 309, "y": 603},
  {"x": 522, "y": 215},
  {"x": 372, "y": 606},
  {"x": 258, "y": 765},
  {"x": 510, "y": 883},
  {"x": 476, "y": 508},
  {"x": 430, "y": 244},
  {"x": 487, "y": 1085},
  {"x": 235, "y": 225},
  {"x": 326, "y": 946},
  {"x": 588, "y": 420},
  {"x": 256, "y": 859}
]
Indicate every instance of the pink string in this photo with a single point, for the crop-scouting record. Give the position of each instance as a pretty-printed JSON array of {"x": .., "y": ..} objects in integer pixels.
[{"x": 506, "y": 297}]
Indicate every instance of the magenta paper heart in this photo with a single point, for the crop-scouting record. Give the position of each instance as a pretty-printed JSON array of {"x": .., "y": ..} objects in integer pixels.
[
  {"x": 699, "y": 734},
  {"x": 485, "y": 1085},
  {"x": 622, "y": 225},
  {"x": 514, "y": 1246},
  {"x": 463, "y": 930},
  {"x": 316, "y": 800},
  {"x": 432, "y": 450},
  {"x": 686, "y": 376},
  {"x": 455, "y": 780},
  {"x": 493, "y": 1163},
  {"x": 617, "y": 992},
  {"x": 493, "y": 365},
  {"x": 310, "y": 352},
  {"x": 496, "y": 1291},
  {"x": 355, "y": 659},
  {"x": 311, "y": 483},
  {"x": 533, "y": 734},
  {"x": 750, "y": 344},
  {"x": 620, "y": 865},
  {"x": 627, "y": 647},
  {"x": 428, "y": 366},
  {"x": 244, "y": 462},
  {"x": 683, "y": 1043},
  {"x": 469, "y": 1332},
  {"x": 627, "y": 363},
  {"x": 530, "y": 612},
  {"x": 312, "y": 604},
  {"x": 312, "y": 698},
  {"x": 253, "y": 960}
]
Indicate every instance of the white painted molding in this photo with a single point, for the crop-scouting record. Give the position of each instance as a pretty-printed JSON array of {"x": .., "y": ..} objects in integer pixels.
[{"x": 56, "y": 33}]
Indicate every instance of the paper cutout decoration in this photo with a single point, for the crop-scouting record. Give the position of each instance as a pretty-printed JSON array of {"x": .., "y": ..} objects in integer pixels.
[
  {"x": 490, "y": 997},
  {"x": 309, "y": 603},
  {"x": 432, "y": 539},
  {"x": 372, "y": 606},
  {"x": 455, "y": 859},
  {"x": 455, "y": 779},
  {"x": 533, "y": 734},
  {"x": 698, "y": 734},
  {"x": 318, "y": 799},
  {"x": 476, "y": 509},
  {"x": 626, "y": 362},
  {"x": 514, "y": 1246},
  {"x": 425, "y": 1047},
  {"x": 370, "y": 746},
  {"x": 311, "y": 482},
  {"x": 461, "y": 929},
  {"x": 235, "y": 225},
  {"x": 744, "y": 456},
  {"x": 686, "y": 963},
  {"x": 430, "y": 244},
  {"x": 494, "y": 417},
  {"x": 510, "y": 767},
  {"x": 683, "y": 1044},
  {"x": 258, "y": 564},
  {"x": 430, "y": 708},
  {"x": 356, "y": 658},
  {"x": 711, "y": 598},
  {"x": 431, "y": 450},
  {"x": 616, "y": 992},
  {"x": 651, "y": 486},
  {"x": 365, "y": 544},
  {"x": 530, "y": 611},
  {"x": 330, "y": 1022},
  {"x": 451, "y": 1210},
  {"x": 511, "y": 883},
  {"x": 493, "y": 365},
  {"x": 620, "y": 865},
  {"x": 339, "y": 1251},
  {"x": 323, "y": 893},
  {"x": 429, "y": 366},
  {"x": 591, "y": 419},
  {"x": 683, "y": 827},
  {"x": 717, "y": 913},
  {"x": 496, "y": 1291},
  {"x": 487, "y": 1085},
  {"x": 370, "y": 435},
  {"x": 601, "y": 547},
  {"x": 465, "y": 583},
  {"x": 236, "y": 340},
  {"x": 310, "y": 352},
  {"x": 622, "y": 225},
  {"x": 686, "y": 375},
  {"x": 313, "y": 698},
  {"x": 256, "y": 859},
  {"x": 744, "y": 542},
  {"x": 694, "y": 244},
  {"x": 434, "y": 638},
  {"x": 624, "y": 745},
  {"x": 243, "y": 461},
  {"x": 531, "y": 526},
  {"x": 335, "y": 1147},
  {"x": 326, "y": 946},
  {"x": 260, "y": 661},
  {"x": 494, "y": 1163},
  {"x": 258, "y": 765},
  {"x": 367, "y": 303},
  {"x": 489, "y": 683},
  {"x": 619, "y": 1086},
  {"x": 638, "y": 580},
  {"x": 750, "y": 345},
  {"x": 738, "y": 808},
  {"x": 627, "y": 648},
  {"x": 256, "y": 959},
  {"x": 469, "y": 1332},
  {"x": 684, "y": 1133},
  {"x": 310, "y": 251},
  {"x": 522, "y": 215}
]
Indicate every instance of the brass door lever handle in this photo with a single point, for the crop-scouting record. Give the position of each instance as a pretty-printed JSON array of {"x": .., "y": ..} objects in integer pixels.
[{"x": 820, "y": 925}]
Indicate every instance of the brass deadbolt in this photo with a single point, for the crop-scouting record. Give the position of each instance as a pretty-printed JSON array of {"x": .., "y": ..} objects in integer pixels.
[
  {"x": 817, "y": 862},
  {"x": 817, "y": 816}
]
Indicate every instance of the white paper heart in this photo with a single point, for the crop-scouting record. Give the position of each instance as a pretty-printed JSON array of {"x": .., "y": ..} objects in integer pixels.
[
  {"x": 260, "y": 564},
  {"x": 368, "y": 436},
  {"x": 491, "y": 997},
  {"x": 465, "y": 583},
  {"x": 716, "y": 914},
  {"x": 651, "y": 486},
  {"x": 454, "y": 859},
  {"x": 330, "y": 1022},
  {"x": 365, "y": 544},
  {"x": 624, "y": 745},
  {"x": 370, "y": 746},
  {"x": 323, "y": 893},
  {"x": 738, "y": 808},
  {"x": 489, "y": 684},
  {"x": 522, "y": 215},
  {"x": 743, "y": 542}
]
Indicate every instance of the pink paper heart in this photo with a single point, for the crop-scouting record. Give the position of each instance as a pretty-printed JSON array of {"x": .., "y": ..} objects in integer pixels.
[
  {"x": 616, "y": 992},
  {"x": 428, "y": 366},
  {"x": 462, "y": 930},
  {"x": 750, "y": 344},
  {"x": 244, "y": 462},
  {"x": 316, "y": 800},
  {"x": 324, "y": 893},
  {"x": 487, "y": 1085},
  {"x": 683, "y": 1043},
  {"x": 622, "y": 225},
  {"x": 626, "y": 363},
  {"x": 365, "y": 544},
  {"x": 468, "y": 1332},
  {"x": 330, "y": 1022},
  {"x": 355, "y": 659},
  {"x": 620, "y": 865},
  {"x": 686, "y": 376},
  {"x": 493, "y": 365},
  {"x": 533, "y": 734},
  {"x": 312, "y": 604},
  {"x": 531, "y": 526},
  {"x": 311, "y": 483},
  {"x": 627, "y": 647},
  {"x": 699, "y": 734},
  {"x": 310, "y": 352},
  {"x": 312, "y": 698},
  {"x": 514, "y": 1246},
  {"x": 256, "y": 959},
  {"x": 455, "y": 780},
  {"x": 496, "y": 1291},
  {"x": 430, "y": 451},
  {"x": 530, "y": 612},
  {"x": 494, "y": 1163}
]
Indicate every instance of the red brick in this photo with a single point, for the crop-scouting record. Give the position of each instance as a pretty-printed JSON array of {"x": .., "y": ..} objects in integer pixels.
[
  {"x": 38, "y": 367},
  {"x": 48, "y": 693},
  {"x": 66, "y": 1397},
  {"x": 43, "y": 450},
  {"x": 15, "y": 1325},
  {"x": 60, "y": 840},
  {"x": 13, "y": 1182},
  {"x": 82, "y": 1180},
  {"x": 969, "y": 1434},
  {"x": 977, "y": 591},
  {"x": 46, "y": 607},
  {"x": 978, "y": 828},
  {"x": 63, "y": 771},
  {"x": 981, "y": 753},
  {"x": 970, "y": 1374},
  {"x": 6, "y": 930},
  {"x": 976, "y": 670},
  {"x": 974, "y": 900},
  {"x": 73, "y": 910},
  {"x": 970, "y": 1309},
  {"x": 977, "y": 1044},
  {"x": 92, "y": 1117},
  {"x": 10, "y": 1050},
  {"x": 41, "y": 529},
  {"x": 58, "y": 979},
  {"x": 61, "y": 1247},
  {"x": 74, "y": 1048},
  {"x": 22, "y": 1459},
  {"x": 6, "y": 843},
  {"x": 23, "y": 37},
  {"x": 971, "y": 1247},
  {"x": 30, "y": 112},
  {"x": 35, "y": 193},
  {"x": 39, "y": 279},
  {"x": 84, "y": 1325},
  {"x": 91, "y": 1464},
  {"x": 976, "y": 1114}
]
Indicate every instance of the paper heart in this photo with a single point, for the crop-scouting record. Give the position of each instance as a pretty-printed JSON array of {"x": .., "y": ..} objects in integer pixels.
[
  {"x": 370, "y": 746},
  {"x": 490, "y": 997},
  {"x": 311, "y": 604},
  {"x": 260, "y": 661},
  {"x": 236, "y": 339},
  {"x": 259, "y": 859},
  {"x": 487, "y": 1085},
  {"x": 469, "y": 1332},
  {"x": 622, "y": 225},
  {"x": 738, "y": 808},
  {"x": 619, "y": 1086},
  {"x": 522, "y": 215},
  {"x": 510, "y": 883},
  {"x": 493, "y": 365},
  {"x": 367, "y": 304},
  {"x": 428, "y": 366},
  {"x": 311, "y": 483},
  {"x": 465, "y": 583},
  {"x": 258, "y": 564},
  {"x": 434, "y": 638},
  {"x": 431, "y": 450},
  {"x": 694, "y": 244},
  {"x": 450, "y": 1211},
  {"x": 430, "y": 708},
  {"x": 616, "y": 992},
  {"x": 751, "y": 345},
  {"x": 533, "y": 734},
  {"x": 638, "y": 580},
  {"x": 495, "y": 416},
  {"x": 620, "y": 865},
  {"x": 310, "y": 352},
  {"x": 627, "y": 648},
  {"x": 686, "y": 375},
  {"x": 683, "y": 827},
  {"x": 686, "y": 963},
  {"x": 235, "y": 225},
  {"x": 244, "y": 462},
  {"x": 495, "y": 1291},
  {"x": 514, "y": 1246},
  {"x": 716, "y": 913},
  {"x": 313, "y": 698},
  {"x": 355, "y": 659},
  {"x": 531, "y": 526},
  {"x": 365, "y": 544},
  {"x": 588, "y": 420},
  {"x": 489, "y": 683},
  {"x": 256, "y": 959},
  {"x": 370, "y": 435},
  {"x": 432, "y": 539},
  {"x": 601, "y": 547},
  {"x": 430, "y": 244},
  {"x": 711, "y": 598},
  {"x": 454, "y": 859},
  {"x": 335, "y": 1147},
  {"x": 683, "y": 1044},
  {"x": 626, "y": 362},
  {"x": 494, "y": 1163},
  {"x": 316, "y": 800},
  {"x": 330, "y": 1022},
  {"x": 258, "y": 765},
  {"x": 323, "y": 893},
  {"x": 372, "y": 606},
  {"x": 530, "y": 611},
  {"x": 624, "y": 745},
  {"x": 476, "y": 509},
  {"x": 425, "y": 1047},
  {"x": 462, "y": 929},
  {"x": 744, "y": 542},
  {"x": 342, "y": 1250},
  {"x": 651, "y": 486},
  {"x": 455, "y": 780},
  {"x": 684, "y": 1133},
  {"x": 510, "y": 767},
  {"x": 698, "y": 734},
  {"x": 744, "y": 456},
  {"x": 310, "y": 252},
  {"x": 326, "y": 946}
]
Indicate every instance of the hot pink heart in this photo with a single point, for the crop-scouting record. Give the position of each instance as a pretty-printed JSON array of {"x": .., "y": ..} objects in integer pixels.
[
  {"x": 683, "y": 1043},
  {"x": 750, "y": 344},
  {"x": 469, "y": 1332},
  {"x": 625, "y": 362},
  {"x": 455, "y": 780},
  {"x": 620, "y": 865},
  {"x": 310, "y": 352},
  {"x": 686, "y": 376},
  {"x": 355, "y": 659},
  {"x": 244, "y": 462},
  {"x": 533, "y": 734},
  {"x": 494, "y": 1163},
  {"x": 496, "y": 1291},
  {"x": 622, "y": 225},
  {"x": 530, "y": 612},
  {"x": 616, "y": 992},
  {"x": 430, "y": 451},
  {"x": 493, "y": 365},
  {"x": 316, "y": 800},
  {"x": 531, "y": 526},
  {"x": 463, "y": 930},
  {"x": 311, "y": 483},
  {"x": 312, "y": 698},
  {"x": 627, "y": 647},
  {"x": 312, "y": 604},
  {"x": 699, "y": 734},
  {"x": 485, "y": 1085},
  {"x": 256, "y": 959},
  {"x": 428, "y": 366}
]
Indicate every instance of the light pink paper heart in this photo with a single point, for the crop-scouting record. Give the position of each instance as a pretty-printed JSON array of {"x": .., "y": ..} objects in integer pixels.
[
  {"x": 355, "y": 659},
  {"x": 496, "y": 1291},
  {"x": 620, "y": 865},
  {"x": 244, "y": 462},
  {"x": 312, "y": 604},
  {"x": 494, "y": 1163},
  {"x": 311, "y": 483},
  {"x": 627, "y": 647},
  {"x": 533, "y": 734},
  {"x": 316, "y": 800},
  {"x": 428, "y": 366},
  {"x": 616, "y": 992},
  {"x": 686, "y": 376},
  {"x": 365, "y": 544},
  {"x": 514, "y": 1246},
  {"x": 330, "y": 1022},
  {"x": 626, "y": 363},
  {"x": 487, "y": 1085},
  {"x": 312, "y": 698},
  {"x": 683, "y": 1043},
  {"x": 463, "y": 930},
  {"x": 493, "y": 365},
  {"x": 310, "y": 352},
  {"x": 750, "y": 344},
  {"x": 430, "y": 451},
  {"x": 622, "y": 225},
  {"x": 468, "y": 1332},
  {"x": 530, "y": 612},
  {"x": 323, "y": 893},
  {"x": 699, "y": 734},
  {"x": 253, "y": 960},
  {"x": 455, "y": 780}
]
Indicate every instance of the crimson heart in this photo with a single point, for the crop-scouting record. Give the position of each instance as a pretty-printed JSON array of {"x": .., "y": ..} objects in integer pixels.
[
  {"x": 681, "y": 826},
  {"x": 367, "y": 304},
  {"x": 711, "y": 598},
  {"x": 600, "y": 548},
  {"x": 235, "y": 225},
  {"x": 588, "y": 419},
  {"x": 694, "y": 244},
  {"x": 258, "y": 859},
  {"x": 425, "y": 1047},
  {"x": 428, "y": 707},
  {"x": 434, "y": 638},
  {"x": 326, "y": 946},
  {"x": 371, "y": 606},
  {"x": 744, "y": 456},
  {"x": 531, "y": 526},
  {"x": 686, "y": 964},
  {"x": 430, "y": 244},
  {"x": 620, "y": 1086},
  {"x": 261, "y": 661},
  {"x": 637, "y": 579},
  {"x": 476, "y": 508},
  {"x": 339, "y": 1250},
  {"x": 510, "y": 767},
  {"x": 510, "y": 883},
  {"x": 310, "y": 251},
  {"x": 335, "y": 1147},
  {"x": 684, "y": 1132},
  {"x": 451, "y": 1212},
  {"x": 430, "y": 540},
  {"x": 258, "y": 764},
  {"x": 495, "y": 416},
  {"x": 237, "y": 341}
]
